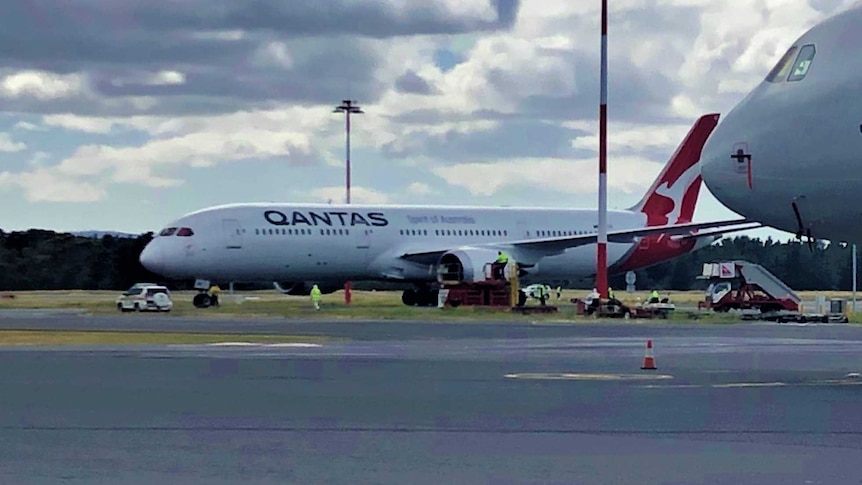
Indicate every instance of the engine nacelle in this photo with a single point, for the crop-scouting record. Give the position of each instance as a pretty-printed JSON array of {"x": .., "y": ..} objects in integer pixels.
[
  {"x": 303, "y": 288},
  {"x": 465, "y": 265}
]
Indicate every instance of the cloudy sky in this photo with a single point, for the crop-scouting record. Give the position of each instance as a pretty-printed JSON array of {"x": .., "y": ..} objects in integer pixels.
[{"x": 124, "y": 114}]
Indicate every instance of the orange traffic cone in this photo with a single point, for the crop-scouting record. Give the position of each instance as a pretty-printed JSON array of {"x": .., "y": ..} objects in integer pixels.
[{"x": 649, "y": 360}]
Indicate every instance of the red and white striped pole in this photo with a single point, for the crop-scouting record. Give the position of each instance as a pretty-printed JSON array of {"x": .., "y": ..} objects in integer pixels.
[{"x": 602, "y": 246}]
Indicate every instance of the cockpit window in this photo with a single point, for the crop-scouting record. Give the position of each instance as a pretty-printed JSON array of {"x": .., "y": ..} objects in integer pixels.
[
  {"x": 185, "y": 232},
  {"x": 782, "y": 69},
  {"x": 168, "y": 231},
  {"x": 803, "y": 63}
]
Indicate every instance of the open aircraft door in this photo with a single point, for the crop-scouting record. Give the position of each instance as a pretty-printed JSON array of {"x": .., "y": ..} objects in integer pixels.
[{"x": 233, "y": 233}]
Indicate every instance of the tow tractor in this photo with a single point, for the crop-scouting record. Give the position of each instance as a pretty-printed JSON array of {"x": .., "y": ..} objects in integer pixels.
[{"x": 617, "y": 309}]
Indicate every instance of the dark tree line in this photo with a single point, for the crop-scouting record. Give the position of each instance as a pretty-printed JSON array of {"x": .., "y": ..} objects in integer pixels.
[
  {"x": 821, "y": 267},
  {"x": 45, "y": 260}
]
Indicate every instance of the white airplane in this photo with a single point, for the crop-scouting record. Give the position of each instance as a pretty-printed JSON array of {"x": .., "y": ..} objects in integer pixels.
[
  {"x": 302, "y": 244},
  {"x": 788, "y": 155}
]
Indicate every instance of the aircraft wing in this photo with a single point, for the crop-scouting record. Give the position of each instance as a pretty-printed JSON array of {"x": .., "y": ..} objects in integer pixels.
[
  {"x": 550, "y": 246},
  {"x": 531, "y": 250}
]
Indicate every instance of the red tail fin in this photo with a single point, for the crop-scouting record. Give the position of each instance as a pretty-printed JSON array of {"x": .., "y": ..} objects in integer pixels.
[{"x": 673, "y": 196}]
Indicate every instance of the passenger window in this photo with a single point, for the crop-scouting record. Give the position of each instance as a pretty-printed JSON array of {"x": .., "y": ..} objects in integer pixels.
[
  {"x": 803, "y": 63},
  {"x": 780, "y": 71}
]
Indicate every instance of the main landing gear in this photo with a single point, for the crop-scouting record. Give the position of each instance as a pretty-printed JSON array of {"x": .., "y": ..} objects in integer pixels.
[{"x": 420, "y": 297}]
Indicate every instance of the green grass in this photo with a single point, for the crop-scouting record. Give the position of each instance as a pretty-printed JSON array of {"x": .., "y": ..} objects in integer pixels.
[
  {"x": 62, "y": 337},
  {"x": 366, "y": 305}
]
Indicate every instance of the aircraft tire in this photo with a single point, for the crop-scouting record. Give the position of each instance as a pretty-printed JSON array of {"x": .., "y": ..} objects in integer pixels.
[
  {"x": 409, "y": 297},
  {"x": 201, "y": 300},
  {"x": 428, "y": 298}
]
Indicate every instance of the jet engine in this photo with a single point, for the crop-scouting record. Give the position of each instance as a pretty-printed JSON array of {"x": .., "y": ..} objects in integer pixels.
[
  {"x": 303, "y": 288},
  {"x": 465, "y": 265}
]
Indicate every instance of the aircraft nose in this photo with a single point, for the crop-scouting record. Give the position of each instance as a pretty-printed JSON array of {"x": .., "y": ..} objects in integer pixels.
[{"x": 151, "y": 258}]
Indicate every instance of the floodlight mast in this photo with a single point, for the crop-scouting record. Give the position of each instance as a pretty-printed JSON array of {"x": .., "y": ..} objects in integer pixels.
[{"x": 348, "y": 107}]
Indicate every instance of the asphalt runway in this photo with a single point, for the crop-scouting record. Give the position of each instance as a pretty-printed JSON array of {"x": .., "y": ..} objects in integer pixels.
[{"x": 437, "y": 403}]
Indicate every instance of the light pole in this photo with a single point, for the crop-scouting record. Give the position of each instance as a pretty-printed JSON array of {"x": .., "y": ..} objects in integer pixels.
[{"x": 347, "y": 107}]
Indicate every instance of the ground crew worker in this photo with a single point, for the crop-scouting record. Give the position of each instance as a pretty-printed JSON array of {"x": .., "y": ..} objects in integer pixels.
[
  {"x": 593, "y": 301},
  {"x": 544, "y": 293},
  {"x": 213, "y": 293},
  {"x": 315, "y": 297},
  {"x": 612, "y": 297},
  {"x": 499, "y": 265},
  {"x": 653, "y": 297}
]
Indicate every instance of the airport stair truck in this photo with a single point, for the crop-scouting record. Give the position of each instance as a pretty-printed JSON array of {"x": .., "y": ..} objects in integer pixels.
[{"x": 741, "y": 285}]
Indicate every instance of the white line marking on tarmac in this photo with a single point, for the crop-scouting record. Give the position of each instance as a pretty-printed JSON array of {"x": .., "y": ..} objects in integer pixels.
[
  {"x": 587, "y": 377},
  {"x": 731, "y": 385},
  {"x": 744, "y": 385},
  {"x": 251, "y": 344}
]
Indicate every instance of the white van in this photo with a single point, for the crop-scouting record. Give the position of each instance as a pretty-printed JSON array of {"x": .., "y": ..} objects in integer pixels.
[{"x": 145, "y": 297}]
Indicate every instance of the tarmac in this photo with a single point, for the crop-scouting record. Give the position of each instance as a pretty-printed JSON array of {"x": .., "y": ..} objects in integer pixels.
[{"x": 408, "y": 402}]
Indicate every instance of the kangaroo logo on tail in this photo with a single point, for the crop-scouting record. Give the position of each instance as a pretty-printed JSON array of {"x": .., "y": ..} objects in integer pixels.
[
  {"x": 671, "y": 200},
  {"x": 673, "y": 196}
]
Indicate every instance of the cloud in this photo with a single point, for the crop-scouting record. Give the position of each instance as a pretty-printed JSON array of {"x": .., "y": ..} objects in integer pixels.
[
  {"x": 42, "y": 85},
  {"x": 629, "y": 174},
  {"x": 79, "y": 123},
  {"x": 8, "y": 145},
  {"x": 136, "y": 164},
  {"x": 358, "y": 195},
  {"x": 486, "y": 95},
  {"x": 223, "y": 55},
  {"x": 27, "y": 126},
  {"x": 637, "y": 138},
  {"x": 45, "y": 185},
  {"x": 412, "y": 83},
  {"x": 419, "y": 188},
  {"x": 38, "y": 159}
]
